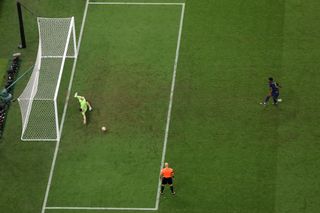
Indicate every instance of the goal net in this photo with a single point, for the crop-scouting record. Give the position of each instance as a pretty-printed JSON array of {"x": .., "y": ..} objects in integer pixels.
[{"x": 38, "y": 101}]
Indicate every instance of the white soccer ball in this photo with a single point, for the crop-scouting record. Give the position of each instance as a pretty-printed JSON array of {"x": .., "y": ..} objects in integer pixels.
[{"x": 103, "y": 128}]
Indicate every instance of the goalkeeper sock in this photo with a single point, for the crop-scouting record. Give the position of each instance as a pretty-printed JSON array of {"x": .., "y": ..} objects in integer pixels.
[{"x": 84, "y": 120}]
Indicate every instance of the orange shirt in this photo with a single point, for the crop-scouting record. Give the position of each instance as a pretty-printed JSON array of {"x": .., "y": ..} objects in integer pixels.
[{"x": 167, "y": 172}]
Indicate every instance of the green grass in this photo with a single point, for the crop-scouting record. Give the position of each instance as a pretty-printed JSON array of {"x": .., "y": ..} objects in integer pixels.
[
  {"x": 230, "y": 154},
  {"x": 3, "y": 68}
]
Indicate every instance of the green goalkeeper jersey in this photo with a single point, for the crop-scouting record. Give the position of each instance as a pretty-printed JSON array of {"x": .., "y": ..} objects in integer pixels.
[{"x": 83, "y": 104}]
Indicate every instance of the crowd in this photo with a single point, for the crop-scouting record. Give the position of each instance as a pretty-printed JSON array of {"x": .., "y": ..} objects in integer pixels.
[{"x": 10, "y": 76}]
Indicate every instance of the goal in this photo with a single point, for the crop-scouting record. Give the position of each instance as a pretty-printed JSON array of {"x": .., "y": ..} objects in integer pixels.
[{"x": 38, "y": 102}]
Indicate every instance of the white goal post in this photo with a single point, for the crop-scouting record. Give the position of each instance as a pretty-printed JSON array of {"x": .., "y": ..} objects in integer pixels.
[{"x": 38, "y": 101}]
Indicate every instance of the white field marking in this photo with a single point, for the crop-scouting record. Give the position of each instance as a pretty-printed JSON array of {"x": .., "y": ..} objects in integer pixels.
[
  {"x": 64, "y": 114},
  {"x": 170, "y": 103},
  {"x": 73, "y": 68},
  {"x": 138, "y": 3},
  {"x": 102, "y": 208}
]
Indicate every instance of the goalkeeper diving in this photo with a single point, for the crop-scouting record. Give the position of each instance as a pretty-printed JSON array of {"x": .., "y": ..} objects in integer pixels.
[{"x": 84, "y": 105}]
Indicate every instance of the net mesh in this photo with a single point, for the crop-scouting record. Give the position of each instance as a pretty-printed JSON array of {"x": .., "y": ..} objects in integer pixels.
[
  {"x": 41, "y": 124},
  {"x": 54, "y": 33},
  {"x": 48, "y": 78},
  {"x": 38, "y": 101}
]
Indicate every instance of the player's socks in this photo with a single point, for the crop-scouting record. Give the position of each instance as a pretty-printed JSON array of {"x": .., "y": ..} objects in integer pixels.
[
  {"x": 162, "y": 188},
  {"x": 171, "y": 188},
  {"x": 267, "y": 99}
]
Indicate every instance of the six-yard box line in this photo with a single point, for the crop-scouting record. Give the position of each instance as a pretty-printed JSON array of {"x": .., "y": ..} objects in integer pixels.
[{"x": 44, "y": 206}]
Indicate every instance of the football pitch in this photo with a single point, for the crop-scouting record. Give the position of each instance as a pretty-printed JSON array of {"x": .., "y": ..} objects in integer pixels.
[{"x": 176, "y": 81}]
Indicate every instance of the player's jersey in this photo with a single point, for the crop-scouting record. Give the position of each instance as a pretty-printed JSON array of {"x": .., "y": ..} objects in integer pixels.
[
  {"x": 83, "y": 103},
  {"x": 167, "y": 172},
  {"x": 274, "y": 87}
]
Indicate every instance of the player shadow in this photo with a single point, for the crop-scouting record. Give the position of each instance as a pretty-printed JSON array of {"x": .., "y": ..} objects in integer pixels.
[{"x": 88, "y": 114}]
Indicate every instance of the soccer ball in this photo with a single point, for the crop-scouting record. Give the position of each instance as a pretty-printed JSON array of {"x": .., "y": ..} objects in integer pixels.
[{"x": 103, "y": 128}]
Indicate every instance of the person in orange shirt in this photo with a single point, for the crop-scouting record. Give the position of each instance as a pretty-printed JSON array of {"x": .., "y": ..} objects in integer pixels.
[{"x": 166, "y": 176}]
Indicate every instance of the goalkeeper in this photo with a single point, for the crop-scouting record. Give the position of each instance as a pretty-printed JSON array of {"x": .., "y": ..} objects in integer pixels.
[{"x": 84, "y": 104}]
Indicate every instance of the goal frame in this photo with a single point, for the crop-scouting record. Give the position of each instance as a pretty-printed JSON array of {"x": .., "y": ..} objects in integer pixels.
[{"x": 37, "y": 72}]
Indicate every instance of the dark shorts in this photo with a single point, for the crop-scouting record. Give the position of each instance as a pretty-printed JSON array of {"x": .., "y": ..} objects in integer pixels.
[
  {"x": 275, "y": 95},
  {"x": 167, "y": 181}
]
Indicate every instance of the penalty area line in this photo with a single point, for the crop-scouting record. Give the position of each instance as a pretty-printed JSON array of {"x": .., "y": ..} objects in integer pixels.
[
  {"x": 137, "y": 3},
  {"x": 44, "y": 207},
  {"x": 102, "y": 208},
  {"x": 170, "y": 102}
]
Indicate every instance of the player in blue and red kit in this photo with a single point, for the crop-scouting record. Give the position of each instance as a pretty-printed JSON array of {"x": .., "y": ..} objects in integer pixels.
[{"x": 274, "y": 92}]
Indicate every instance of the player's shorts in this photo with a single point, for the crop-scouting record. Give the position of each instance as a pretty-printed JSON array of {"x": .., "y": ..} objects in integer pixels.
[
  {"x": 84, "y": 106},
  {"x": 167, "y": 181},
  {"x": 275, "y": 95},
  {"x": 84, "y": 109}
]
